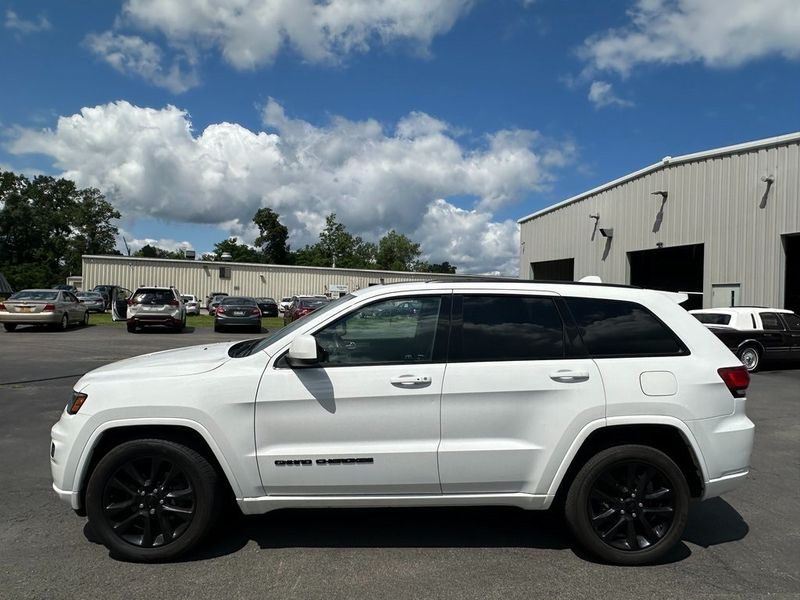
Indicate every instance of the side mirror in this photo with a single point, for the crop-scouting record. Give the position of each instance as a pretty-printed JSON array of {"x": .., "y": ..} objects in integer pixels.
[{"x": 303, "y": 352}]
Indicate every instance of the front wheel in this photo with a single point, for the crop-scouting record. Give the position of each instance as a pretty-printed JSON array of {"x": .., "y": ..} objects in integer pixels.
[
  {"x": 151, "y": 500},
  {"x": 628, "y": 505},
  {"x": 750, "y": 358}
]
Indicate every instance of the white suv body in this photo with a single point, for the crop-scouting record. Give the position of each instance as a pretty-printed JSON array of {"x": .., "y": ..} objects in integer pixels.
[{"x": 489, "y": 394}]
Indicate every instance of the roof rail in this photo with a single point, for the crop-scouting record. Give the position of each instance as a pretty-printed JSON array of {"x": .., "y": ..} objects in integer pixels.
[{"x": 543, "y": 281}]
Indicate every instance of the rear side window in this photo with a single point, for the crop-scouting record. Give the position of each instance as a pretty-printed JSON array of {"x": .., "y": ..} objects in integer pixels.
[
  {"x": 504, "y": 328},
  {"x": 612, "y": 328},
  {"x": 771, "y": 322},
  {"x": 712, "y": 318}
]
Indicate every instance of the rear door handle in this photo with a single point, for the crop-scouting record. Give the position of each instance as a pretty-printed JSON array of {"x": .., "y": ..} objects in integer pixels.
[
  {"x": 569, "y": 376},
  {"x": 411, "y": 380}
]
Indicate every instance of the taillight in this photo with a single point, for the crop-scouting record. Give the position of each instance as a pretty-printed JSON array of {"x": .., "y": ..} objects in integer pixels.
[
  {"x": 220, "y": 310},
  {"x": 256, "y": 311},
  {"x": 736, "y": 378},
  {"x": 174, "y": 303},
  {"x": 2, "y": 306},
  {"x": 49, "y": 308}
]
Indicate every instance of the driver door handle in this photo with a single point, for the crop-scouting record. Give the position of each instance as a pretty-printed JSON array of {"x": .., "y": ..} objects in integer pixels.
[
  {"x": 411, "y": 380},
  {"x": 569, "y": 376}
]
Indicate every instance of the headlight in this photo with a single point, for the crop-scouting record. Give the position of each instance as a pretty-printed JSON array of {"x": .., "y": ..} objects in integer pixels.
[{"x": 75, "y": 404}]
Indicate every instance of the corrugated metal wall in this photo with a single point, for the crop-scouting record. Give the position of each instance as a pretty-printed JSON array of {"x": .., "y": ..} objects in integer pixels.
[
  {"x": 717, "y": 201},
  {"x": 202, "y": 278}
]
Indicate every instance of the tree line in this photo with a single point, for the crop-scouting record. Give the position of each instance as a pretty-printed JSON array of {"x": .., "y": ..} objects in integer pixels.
[{"x": 47, "y": 223}]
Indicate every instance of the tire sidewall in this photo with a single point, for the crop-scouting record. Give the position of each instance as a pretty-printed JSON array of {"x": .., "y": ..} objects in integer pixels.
[
  {"x": 200, "y": 474},
  {"x": 578, "y": 498}
]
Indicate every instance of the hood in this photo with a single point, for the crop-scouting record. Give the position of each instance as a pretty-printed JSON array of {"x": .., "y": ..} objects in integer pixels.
[{"x": 168, "y": 363}]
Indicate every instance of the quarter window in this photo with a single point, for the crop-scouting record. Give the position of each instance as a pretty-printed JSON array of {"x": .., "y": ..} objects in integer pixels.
[
  {"x": 505, "y": 328},
  {"x": 619, "y": 328},
  {"x": 388, "y": 332},
  {"x": 792, "y": 320}
]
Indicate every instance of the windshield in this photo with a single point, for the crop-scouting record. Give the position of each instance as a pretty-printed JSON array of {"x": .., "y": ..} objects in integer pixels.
[
  {"x": 238, "y": 302},
  {"x": 265, "y": 300},
  {"x": 34, "y": 295},
  {"x": 313, "y": 303},
  {"x": 246, "y": 349},
  {"x": 89, "y": 295},
  {"x": 187, "y": 298}
]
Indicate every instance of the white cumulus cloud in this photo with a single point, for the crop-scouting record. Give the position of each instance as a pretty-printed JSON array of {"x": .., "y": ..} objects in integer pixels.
[
  {"x": 132, "y": 55},
  {"x": 601, "y": 93},
  {"x": 717, "y": 33},
  {"x": 22, "y": 26},
  {"x": 250, "y": 33},
  {"x": 409, "y": 176}
]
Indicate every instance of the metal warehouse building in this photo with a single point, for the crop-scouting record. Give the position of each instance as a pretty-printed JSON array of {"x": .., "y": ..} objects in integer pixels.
[
  {"x": 247, "y": 279},
  {"x": 723, "y": 225}
]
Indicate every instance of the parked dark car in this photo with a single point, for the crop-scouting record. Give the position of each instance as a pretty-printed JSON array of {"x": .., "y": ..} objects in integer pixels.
[
  {"x": 774, "y": 334},
  {"x": 237, "y": 311},
  {"x": 303, "y": 306},
  {"x": 268, "y": 306}
]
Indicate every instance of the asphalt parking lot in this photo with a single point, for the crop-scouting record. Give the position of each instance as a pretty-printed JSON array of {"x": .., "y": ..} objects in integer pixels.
[{"x": 746, "y": 544}]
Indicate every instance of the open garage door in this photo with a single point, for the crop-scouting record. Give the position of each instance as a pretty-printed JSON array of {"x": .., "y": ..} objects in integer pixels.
[
  {"x": 791, "y": 246},
  {"x": 676, "y": 269},
  {"x": 553, "y": 270}
]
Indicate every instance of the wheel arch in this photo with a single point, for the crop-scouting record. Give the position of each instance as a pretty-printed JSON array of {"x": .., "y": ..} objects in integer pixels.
[
  {"x": 666, "y": 434},
  {"x": 182, "y": 431},
  {"x": 751, "y": 342}
]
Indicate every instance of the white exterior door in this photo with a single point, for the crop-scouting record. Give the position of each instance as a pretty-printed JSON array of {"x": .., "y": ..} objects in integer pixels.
[
  {"x": 512, "y": 401},
  {"x": 367, "y": 420}
]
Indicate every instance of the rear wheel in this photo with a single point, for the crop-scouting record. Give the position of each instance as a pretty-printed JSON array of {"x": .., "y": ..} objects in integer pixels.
[
  {"x": 151, "y": 500},
  {"x": 131, "y": 327},
  {"x": 64, "y": 325},
  {"x": 750, "y": 357},
  {"x": 628, "y": 505},
  {"x": 85, "y": 321},
  {"x": 9, "y": 326}
]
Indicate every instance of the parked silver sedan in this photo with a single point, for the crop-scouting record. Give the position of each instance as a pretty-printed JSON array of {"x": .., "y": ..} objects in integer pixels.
[
  {"x": 56, "y": 308},
  {"x": 93, "y": 301}
]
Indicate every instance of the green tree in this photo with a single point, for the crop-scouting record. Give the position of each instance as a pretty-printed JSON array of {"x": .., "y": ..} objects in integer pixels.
[
  {"x": 239, "y": 252},
  {"x": 149, "y": 251},
  {"x": 396, "y": 252},
  {"x": 337, "y": 247},
  {"x": 272, "y": 237},
  {"x": 46, "y": 224},
  {"x": 443, "y": 267}
]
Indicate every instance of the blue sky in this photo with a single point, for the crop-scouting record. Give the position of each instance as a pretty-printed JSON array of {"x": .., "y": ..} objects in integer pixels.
[{"x": 445, "y": 119}]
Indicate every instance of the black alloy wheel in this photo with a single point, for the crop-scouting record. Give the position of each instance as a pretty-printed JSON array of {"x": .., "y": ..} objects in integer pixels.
[
  {"x": 151, "y": 500},
  {"x": 628, "y": 505},
  {"x": 631, "y": 505}
]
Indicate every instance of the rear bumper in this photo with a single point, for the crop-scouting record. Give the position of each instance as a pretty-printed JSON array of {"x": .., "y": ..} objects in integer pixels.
[
  {"x": 249, "y": 321},
  {"x": 51, "y": 318},
  {"x": 154, "y": 320}
]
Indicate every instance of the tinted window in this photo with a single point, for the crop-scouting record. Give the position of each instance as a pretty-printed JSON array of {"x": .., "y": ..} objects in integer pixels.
[
  {"x": 383, "y": 333},
  {"x": 312, "y": 303},
  {"x": 238, "y": 302},
  {"x": 771, "y": 322},
  {"x": 153, "y": 296},
  {"x": 619, "y": 328},
  {"x": 792, "y": 320},
  {"x": 712, "y": 318},
  {"x": 508, "y": 328}
]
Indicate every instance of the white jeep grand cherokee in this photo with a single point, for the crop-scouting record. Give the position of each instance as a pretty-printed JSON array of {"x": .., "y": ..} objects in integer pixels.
[{"x": 609, "y": 400}]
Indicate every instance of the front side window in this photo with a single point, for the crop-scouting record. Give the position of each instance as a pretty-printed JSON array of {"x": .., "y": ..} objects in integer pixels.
[
  {"x": 612, "y": 328},
  {"x": 792, "y": 320},
  {"x": 771, "y": 322},
  {"x": 387, "y": 332},
  {"x": 506, "y": 328}
]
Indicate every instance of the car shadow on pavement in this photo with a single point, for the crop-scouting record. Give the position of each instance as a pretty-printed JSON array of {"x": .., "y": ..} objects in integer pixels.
[{"x": 710, "y": 523}]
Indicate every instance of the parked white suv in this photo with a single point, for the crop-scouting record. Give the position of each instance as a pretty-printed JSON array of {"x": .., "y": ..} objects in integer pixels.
[{"x": 611, "y": 400}]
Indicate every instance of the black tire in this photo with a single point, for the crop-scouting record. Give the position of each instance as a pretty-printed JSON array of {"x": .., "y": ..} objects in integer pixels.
[
  {"x": 750, "y": 357},
  {"x": 64, "y": 325},
  {"x": 257, "y": 328},
  {"x": 217, "y": 328},
  {"x": 169, "y": 520},
  {"x": 601, "y": 507},
  {"x": 85, "y": 322},
  {"x": 131, "y": 327},
  {"x": 9, "y": 326}
]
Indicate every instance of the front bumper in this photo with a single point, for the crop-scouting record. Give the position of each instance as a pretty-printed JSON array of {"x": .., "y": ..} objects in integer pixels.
[{"x": 67, "y": 441}]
